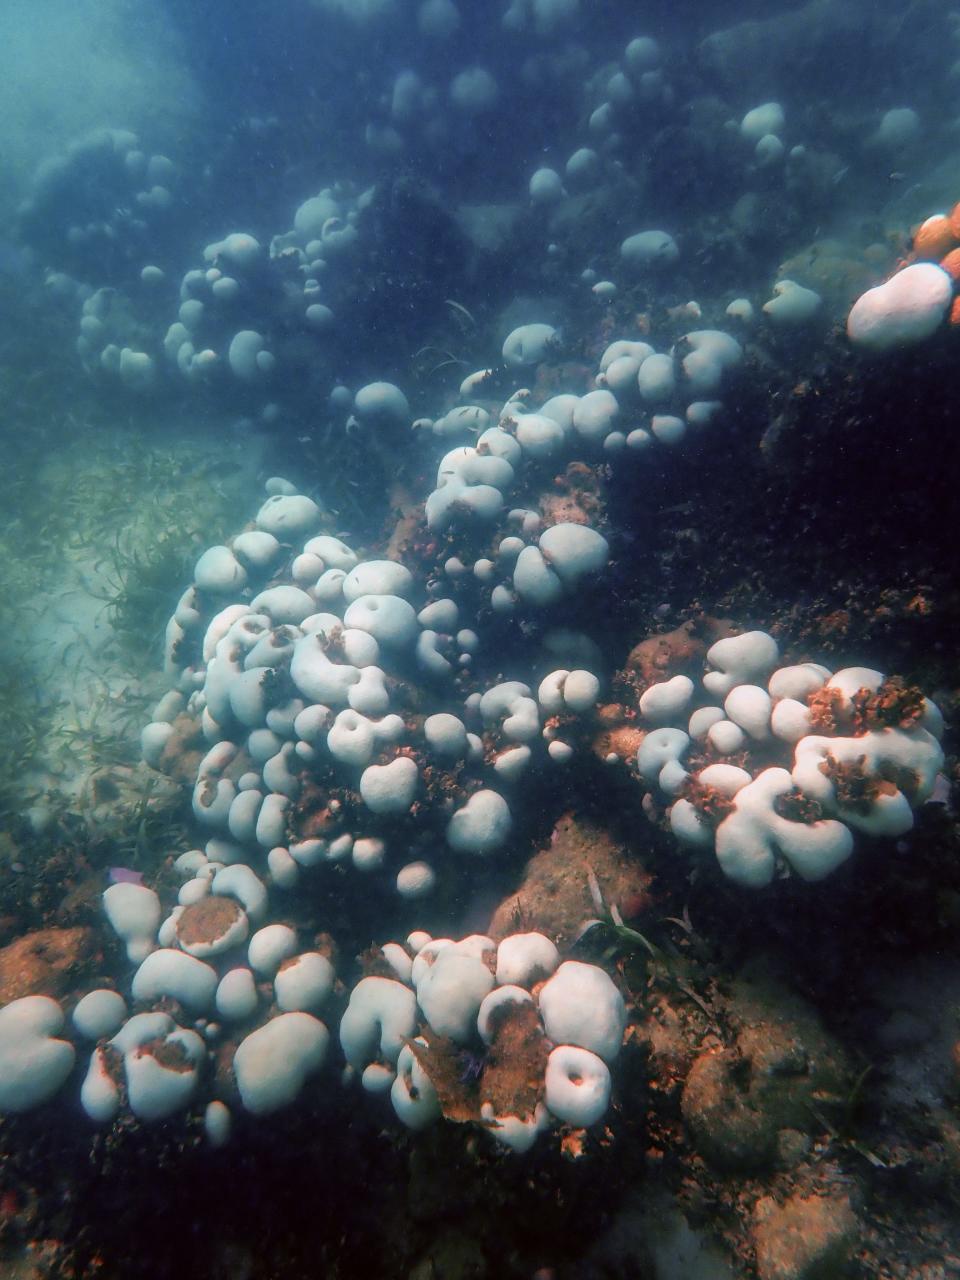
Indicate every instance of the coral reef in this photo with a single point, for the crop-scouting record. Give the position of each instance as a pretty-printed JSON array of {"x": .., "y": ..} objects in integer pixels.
[{"x": 528, "y": 868}]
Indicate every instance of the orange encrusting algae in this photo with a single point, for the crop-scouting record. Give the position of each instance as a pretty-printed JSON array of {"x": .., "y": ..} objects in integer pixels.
[{"x": 934, "y": 238}]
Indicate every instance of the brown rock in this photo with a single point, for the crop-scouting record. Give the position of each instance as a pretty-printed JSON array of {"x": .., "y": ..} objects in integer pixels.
[
  {"x": 579, "y": 499},
  {"x": 555, "y": 897},
  {"x": 620, "y": 737},
  {"x": 783, "y": 1067},
  {"x": 806, "y": 1238},
  {"x": 409, "y": 515},
  {"x": 669, "y": 1029},
  {"x": 730, "y": 1127},
  {"x": 47, "y": 962},
  {"x": 676, "y": 652}
]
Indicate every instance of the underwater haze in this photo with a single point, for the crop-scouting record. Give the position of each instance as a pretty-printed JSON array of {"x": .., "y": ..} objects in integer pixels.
[{"x": 479, "y": 663}]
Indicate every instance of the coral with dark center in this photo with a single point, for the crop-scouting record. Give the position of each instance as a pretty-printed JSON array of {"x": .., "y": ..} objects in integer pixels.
[
  {"x": 278, "y": 688},
  {"x": 856, "y": 789},
  {"x": 900, "y": 779},
  {"x": 331, "y": 642},
  {"x": 168, "y": 1053},
  {"x": 712, "y": 804},
  {"x": 205, "y": 922},
  {"x": 825, "y": 710},
  {"x": 895, "y": 705},
  {"x": 797, "y": 807}
]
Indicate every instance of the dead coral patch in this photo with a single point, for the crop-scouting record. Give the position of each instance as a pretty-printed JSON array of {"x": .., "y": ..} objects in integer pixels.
[
  {"x": 512, "y": 1078},
  {"x": 895, "y": 705}
]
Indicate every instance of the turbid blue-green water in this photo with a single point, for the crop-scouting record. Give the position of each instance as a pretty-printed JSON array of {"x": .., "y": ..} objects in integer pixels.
[{"x": 478, "y": 772}]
